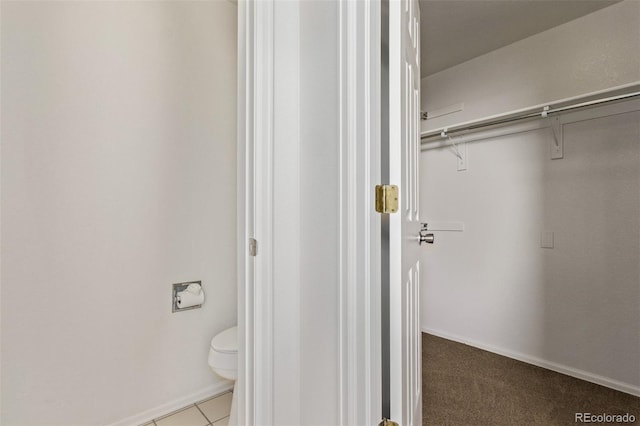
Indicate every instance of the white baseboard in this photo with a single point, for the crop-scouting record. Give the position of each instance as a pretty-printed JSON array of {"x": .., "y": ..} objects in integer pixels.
[
  {"x": 154, "y": 413},
  {"x": 559, "y": 368}
]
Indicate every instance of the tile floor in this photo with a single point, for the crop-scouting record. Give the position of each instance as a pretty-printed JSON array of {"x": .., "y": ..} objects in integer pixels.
[{"x": 213, "y": 411}]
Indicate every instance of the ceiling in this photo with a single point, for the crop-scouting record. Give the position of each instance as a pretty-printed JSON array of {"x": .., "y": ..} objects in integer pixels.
[{"x": 454, "y": 31}]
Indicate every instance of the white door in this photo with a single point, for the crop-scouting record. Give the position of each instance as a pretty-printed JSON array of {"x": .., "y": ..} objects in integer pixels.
[{"x": 404, "y": 226}]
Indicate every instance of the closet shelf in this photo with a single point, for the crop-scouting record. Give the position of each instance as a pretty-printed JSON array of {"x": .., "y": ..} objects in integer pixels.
[{"x": 539, "y": 111}]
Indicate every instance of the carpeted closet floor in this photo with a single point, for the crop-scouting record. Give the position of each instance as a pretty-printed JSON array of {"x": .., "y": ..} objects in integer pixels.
[{"x": 463, "y": 385}]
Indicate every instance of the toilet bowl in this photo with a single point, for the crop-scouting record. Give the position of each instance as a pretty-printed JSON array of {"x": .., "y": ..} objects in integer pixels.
[
  {"x": 223, "y": 360},
  {"x": 223, "y": 355}
]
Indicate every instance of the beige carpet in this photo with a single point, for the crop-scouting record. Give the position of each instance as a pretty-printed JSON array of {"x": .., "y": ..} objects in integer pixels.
[{"x": 463, "y": 385}]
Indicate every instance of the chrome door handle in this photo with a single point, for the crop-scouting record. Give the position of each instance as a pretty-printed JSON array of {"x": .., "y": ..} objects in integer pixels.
[{"x": 426, "y": 237}]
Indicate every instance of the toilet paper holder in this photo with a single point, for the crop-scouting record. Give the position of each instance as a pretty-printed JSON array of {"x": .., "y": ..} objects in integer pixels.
[{"x": 177, "y": 288}]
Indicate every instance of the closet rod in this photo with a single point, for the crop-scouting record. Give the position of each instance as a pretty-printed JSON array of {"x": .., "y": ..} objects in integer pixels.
[{"x": 509, "y": 118}]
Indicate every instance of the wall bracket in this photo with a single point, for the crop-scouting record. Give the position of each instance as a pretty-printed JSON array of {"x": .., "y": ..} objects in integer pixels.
[{"x": 557, "y": 144}]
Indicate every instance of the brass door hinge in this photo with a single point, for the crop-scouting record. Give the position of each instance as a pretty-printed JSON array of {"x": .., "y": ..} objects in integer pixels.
[
  {"x": 386, "y": 198},
  {"x": 387, "y": 422}
]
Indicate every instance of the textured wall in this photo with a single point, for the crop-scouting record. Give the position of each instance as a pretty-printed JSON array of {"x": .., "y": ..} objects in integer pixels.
[
  {"x": 574, "y": 306},
  {"x": 595, "y": 52}
]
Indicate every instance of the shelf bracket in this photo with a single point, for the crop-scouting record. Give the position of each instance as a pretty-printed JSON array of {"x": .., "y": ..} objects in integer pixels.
[
  {"x": 557, "y": 145},
  {"x": 461, "y": 153}
]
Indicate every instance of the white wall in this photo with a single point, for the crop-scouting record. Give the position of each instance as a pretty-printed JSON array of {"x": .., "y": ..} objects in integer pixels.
[
  {"x": 595, "y": 52},
  {"x": 574, "y": 307},
  {"x": 118, "y": 179}
]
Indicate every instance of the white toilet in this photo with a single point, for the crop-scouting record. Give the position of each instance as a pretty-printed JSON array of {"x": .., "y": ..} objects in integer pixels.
[{"x": 223, "y": 360}]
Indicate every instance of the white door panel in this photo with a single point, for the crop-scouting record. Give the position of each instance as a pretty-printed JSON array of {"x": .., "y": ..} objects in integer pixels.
[{"x": 404, "y": 248}]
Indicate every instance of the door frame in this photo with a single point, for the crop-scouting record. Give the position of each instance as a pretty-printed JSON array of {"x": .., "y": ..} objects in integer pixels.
[
  {"x": 254, "y": 398},
  {"x": 360, "y": 245}
]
